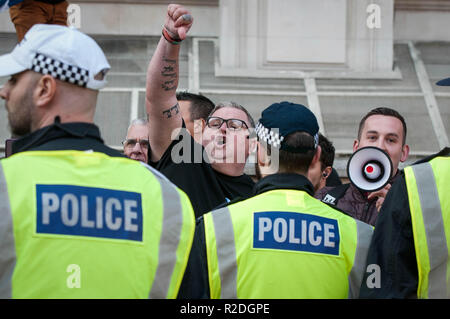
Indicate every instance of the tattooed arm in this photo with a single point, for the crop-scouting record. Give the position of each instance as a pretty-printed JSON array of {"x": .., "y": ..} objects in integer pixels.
[{"x": 162, "y": 82}]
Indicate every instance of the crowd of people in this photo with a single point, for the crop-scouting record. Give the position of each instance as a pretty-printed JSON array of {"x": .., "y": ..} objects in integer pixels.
[{"x": 175, "y": 216}]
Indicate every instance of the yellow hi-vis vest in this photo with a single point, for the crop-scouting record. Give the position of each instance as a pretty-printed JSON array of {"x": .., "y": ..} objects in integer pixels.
[
  {"x": 76, "y": 224},
  {"x": 428, "y": 195},
  {"x": 284, "y": 244}
]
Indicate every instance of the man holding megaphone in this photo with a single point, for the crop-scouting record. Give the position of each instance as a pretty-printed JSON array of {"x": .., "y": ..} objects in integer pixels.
[
  {"x": 382, "y": 130},
  {"x": 411, "y": 241}
]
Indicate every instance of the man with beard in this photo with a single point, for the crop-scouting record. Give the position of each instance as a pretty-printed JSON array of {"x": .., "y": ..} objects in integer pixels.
[
  {"x": 75, "y": 213},
  {"x": 212, "y": 172}
]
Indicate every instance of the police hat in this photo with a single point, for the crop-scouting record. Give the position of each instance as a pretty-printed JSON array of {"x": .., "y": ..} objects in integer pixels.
[
  {"x": 63, "y": 52},
  {"x": 281, "y": 119},
  {"x": 444, "y": 82}
]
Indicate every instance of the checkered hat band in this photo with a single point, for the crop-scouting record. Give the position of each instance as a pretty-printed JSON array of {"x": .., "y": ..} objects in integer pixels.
[
  {"x": 275, "y": 139},
  {"x": 59, "y": 70},
  {"x": 268, "y": 136}
]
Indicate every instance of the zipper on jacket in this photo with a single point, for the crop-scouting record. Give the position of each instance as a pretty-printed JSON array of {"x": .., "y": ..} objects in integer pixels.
[{"x": 365, "y": 211}]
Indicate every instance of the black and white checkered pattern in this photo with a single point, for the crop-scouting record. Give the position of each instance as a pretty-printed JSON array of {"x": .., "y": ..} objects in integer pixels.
[
  {"x": 316, "y": 140},
  {"x": 269, "y": 136},
  {"x": 59, "y": 70},
  {"x": 274, "y": 138}
]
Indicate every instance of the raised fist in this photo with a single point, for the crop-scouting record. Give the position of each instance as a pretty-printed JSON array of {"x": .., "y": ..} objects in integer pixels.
[{"x": 178, "y": 21}]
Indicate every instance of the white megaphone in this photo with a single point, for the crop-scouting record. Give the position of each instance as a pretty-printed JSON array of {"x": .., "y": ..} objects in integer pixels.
[{"x": 369, "y": 169}]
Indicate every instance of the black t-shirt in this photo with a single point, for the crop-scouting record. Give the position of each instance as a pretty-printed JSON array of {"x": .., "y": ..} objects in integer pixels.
[{"x": 184, "y": 165}]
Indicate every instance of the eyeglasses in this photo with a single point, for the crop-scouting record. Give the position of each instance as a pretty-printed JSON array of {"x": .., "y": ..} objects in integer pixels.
[
  {"x": 131, "y": 142},
  {"x": 232, "y": 124}
]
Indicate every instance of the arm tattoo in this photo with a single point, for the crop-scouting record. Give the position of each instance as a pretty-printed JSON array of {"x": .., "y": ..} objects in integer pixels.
[
  {"x": 168, "y": 112},
  {"x": 168, "y": 71},
  {"x": 169, "y": 85}
]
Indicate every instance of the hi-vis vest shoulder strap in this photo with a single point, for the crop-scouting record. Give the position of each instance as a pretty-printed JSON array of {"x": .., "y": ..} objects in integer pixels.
[
  {"x": 428, "y": 190},
  {"x": 284, "y": 244},
  {"x": 85, "y": 225}
]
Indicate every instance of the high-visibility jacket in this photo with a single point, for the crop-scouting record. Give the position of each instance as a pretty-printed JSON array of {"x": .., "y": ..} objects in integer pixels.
[
  {"x": 428, "y": 195},
  {"x": 284, "y": 243},
  {"x": 79, "y": 224}
]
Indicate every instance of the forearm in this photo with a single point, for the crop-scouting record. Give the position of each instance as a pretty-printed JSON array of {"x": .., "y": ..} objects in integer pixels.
[
  {"x": 161, "y": 102},
  {"x": 162, "y": 77},
  {"x": 163, "y": 113}
]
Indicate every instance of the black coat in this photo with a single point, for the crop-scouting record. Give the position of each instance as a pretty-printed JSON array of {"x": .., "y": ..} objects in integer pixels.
[
  {"x": 392, "y": 246},
  {"x": 65, "y": 136}
]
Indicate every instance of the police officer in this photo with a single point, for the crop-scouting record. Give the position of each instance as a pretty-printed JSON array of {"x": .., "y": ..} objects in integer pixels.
[
  {"x": 77, "y": 219},
  {"x": 282, "y": 242},
  {"x": 408, "y": 256}
]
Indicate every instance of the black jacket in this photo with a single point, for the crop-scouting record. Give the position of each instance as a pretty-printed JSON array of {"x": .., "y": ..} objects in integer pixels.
[
  {"x": 65, "y": 136},
  {"x": 392, "y": 246}
]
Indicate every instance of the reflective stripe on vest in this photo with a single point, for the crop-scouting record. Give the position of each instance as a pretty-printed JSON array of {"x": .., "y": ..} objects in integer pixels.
[
  {"x": 7, "y": 248},
  {"x": 158, "y": 259},
  {"x": 429, "y": 231},
  {"x": 170, "y": 239},
  {"x": 222, "y": 245},
  {"x": 226, "y": 253},
  {"x": 364, "y": 236}
]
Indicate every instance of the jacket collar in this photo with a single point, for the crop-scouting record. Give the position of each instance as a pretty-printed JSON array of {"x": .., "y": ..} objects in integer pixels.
[
  {"x": 284, "y": 181},
  {"x": 55, "y": 131}
]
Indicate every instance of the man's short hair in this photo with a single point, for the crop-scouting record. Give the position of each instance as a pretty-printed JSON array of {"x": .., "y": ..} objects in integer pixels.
[
  {"x": 200, "y": 106},
  {"x": 293, "y": 162},
  {"x": 328, "y": 151},
  {"x": 386, "y": 112},
  {"x": 236, "y": 106},
  {"x": 140, "y": 121}
]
